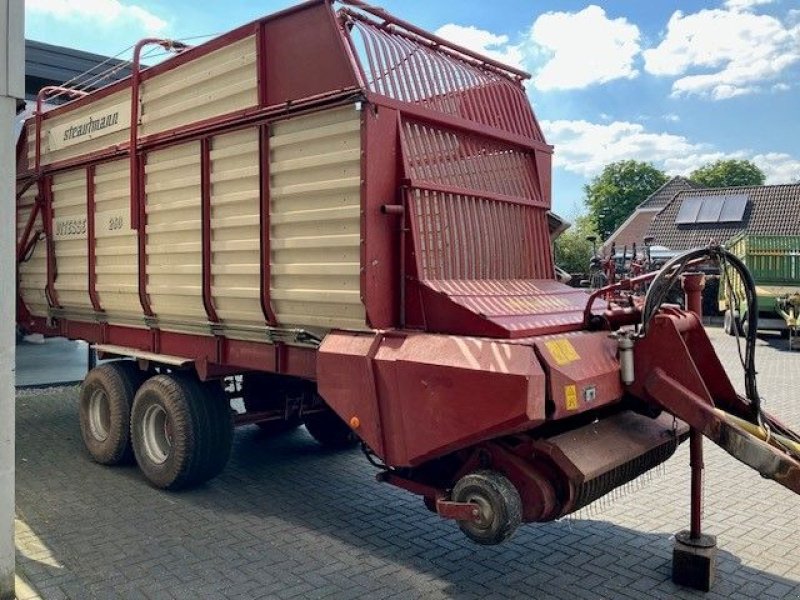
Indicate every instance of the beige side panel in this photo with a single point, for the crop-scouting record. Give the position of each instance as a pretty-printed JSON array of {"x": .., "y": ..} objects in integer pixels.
[
  {"x": 33, "y": 271},
  {"x": 218, "y": 83},
  {"x": 315, "y": 228},
  {"x": 69, "y": 241},
  {"x": 174, "y": 259},
  {"x": 115, "y": 243},
  {"x": 59, "y": 143},
  {"x": 235, "y": 243}
]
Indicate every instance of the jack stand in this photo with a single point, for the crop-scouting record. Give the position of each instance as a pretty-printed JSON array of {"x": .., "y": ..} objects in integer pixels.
[{"x": 694, "y": 555}]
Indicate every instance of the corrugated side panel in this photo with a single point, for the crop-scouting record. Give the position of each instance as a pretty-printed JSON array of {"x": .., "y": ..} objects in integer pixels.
[
  {"x": 235, "y": 240},
  {"x": 774, "y": 258},
  {"x": 218, "y": 83},
  {"x": 78, "y": 146},
  {"x": 315, "y": 228},
  {"x": 33, "y": 271},
  {"x": 174, "y": 259},
  {"x": 116, "y": 263},
  {"x": 69, "y": 241}
]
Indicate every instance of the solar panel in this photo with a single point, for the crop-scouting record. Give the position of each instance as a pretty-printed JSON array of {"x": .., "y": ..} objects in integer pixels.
[
  {"x": 733, "y": 209},
  {"x": 722, "y": 208},
  {"x": 690, "y": 208},
  {"x": 711, "y": 209}
]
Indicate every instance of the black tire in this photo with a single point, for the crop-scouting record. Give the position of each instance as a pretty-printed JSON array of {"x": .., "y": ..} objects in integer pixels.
[
  {"x": 104, "y": 409},
  {"x": 499, "y": 504},
  {"x": 329, "y": 430},
  {"x": 182, "y": 431}
]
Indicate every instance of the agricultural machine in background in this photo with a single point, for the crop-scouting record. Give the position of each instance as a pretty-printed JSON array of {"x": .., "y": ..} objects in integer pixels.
[
  {"x": 788, "y": 307},
  {"x": 774, "y": 262},
  {"x": 606, "y": 269},
  {"x": 342, "y": 219}
]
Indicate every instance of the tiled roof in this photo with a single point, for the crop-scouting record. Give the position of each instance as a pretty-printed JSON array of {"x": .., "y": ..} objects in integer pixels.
[
  {"x": 661, "y": 197},
  {"x": 633, "y": 230},
  {"x": 771, "y": 210}
]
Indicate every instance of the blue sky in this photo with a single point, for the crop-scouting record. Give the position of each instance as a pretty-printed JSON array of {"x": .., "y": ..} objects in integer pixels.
[{"x": 611, "y": 80}]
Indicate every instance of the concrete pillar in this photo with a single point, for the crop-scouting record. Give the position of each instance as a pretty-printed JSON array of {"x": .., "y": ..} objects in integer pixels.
[
  {"x": 7, "y": 340},
  {"x": 12, "y": 87}
]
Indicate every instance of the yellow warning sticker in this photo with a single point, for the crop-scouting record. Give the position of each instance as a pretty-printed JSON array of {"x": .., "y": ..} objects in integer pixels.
[
  {"x": 571, "y": 396},
  {"x": 562, "y": 351}
]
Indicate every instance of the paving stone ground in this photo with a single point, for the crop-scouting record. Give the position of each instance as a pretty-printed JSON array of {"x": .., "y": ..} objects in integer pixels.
[{"x": 290, "y": 520}]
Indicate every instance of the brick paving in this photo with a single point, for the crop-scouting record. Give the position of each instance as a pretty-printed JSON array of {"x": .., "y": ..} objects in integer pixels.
[{"x": 290, "y": 520}]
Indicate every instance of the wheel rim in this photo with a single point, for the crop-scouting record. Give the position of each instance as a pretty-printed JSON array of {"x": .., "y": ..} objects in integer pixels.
[
  {"x": 485, "y": 518},
  {"x": 157, "y": 434},
  {"x": 99, "y": 415}
]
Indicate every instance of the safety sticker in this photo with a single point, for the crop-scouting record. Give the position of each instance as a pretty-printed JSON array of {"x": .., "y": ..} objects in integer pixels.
[
  {"x": 571, "y": 396},
  {"x": 562, "y": 351}
]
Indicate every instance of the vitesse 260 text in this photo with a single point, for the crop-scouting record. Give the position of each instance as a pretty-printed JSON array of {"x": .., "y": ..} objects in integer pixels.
[{"x": 71, "y": 226}]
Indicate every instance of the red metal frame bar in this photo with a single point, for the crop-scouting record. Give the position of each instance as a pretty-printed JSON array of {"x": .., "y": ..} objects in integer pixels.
[
  {"x": 205, "y": 229},
  {"x": 90, "y": 239},
  {"x": 43, "y": 93},
  {"x": 23, "y": 242},
  {"x": 195, "y": 52},
  {"x": 25, "y": 187},
  {"x": 264, "y": 224},
  {"x": 136, "y": 78},
  {"x": 421, "y": 113},
  {"x": 262, "y": 63},
  {"x": 437, "y": 42},
  {"x": 229, "y": 122},
  {"x": 462, "y": 191},
  {"x": 47, "y": 217},
  {"x": 696, "y": 465},
  {"x": 141, "y": 242}
]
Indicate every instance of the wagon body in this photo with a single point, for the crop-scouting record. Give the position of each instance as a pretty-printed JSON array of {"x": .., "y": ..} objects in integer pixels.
[{"x": 278, "y": 190}]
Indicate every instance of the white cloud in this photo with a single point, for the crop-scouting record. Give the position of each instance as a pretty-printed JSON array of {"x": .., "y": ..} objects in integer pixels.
[
  {"x": 585, "y": 148},
  {"x": 724, "y": 53},
  {"x": 583, "y": 48},
  {"x": 108, "y": 13},
  {"x": 745, "y": 4},
  {"x": 672, "y": 118},
  {"x": 778, "y": 167},
  {"x": 482, "y": 41}
]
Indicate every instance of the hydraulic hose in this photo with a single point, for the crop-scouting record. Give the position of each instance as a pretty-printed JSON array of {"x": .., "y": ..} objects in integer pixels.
[{"x": 670, "y": 275}]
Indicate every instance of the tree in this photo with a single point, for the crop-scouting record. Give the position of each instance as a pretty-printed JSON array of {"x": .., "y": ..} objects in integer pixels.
[
  {"x": 614, "y": 194},
  {"x": 728, "y": 173},
  {"x": 572, "y": 251}
]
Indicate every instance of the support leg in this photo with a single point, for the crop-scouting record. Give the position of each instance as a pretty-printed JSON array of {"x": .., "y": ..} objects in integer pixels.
[{"x": 694, "y": 553}]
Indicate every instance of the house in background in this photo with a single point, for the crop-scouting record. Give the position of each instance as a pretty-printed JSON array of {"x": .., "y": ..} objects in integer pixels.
[
  {"x": 634, "y": 229},
  {"x": 695, "y": 217}
]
